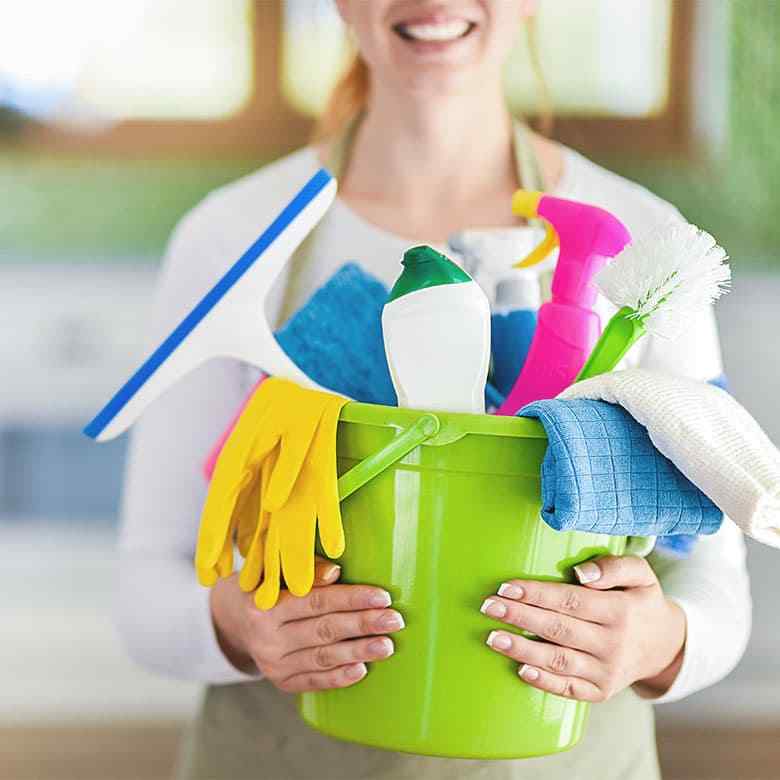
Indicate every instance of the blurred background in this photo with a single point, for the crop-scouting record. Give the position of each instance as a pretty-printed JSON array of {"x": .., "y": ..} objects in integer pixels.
[{"x": 116, "y": 118}]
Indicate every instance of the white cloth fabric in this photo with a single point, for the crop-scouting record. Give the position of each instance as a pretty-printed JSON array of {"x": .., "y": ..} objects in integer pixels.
[
  {"x": 708, "y": 435},
  {"x": 163, "y": 614}
]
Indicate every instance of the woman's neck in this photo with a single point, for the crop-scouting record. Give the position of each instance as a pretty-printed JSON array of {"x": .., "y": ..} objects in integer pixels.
[
  {"x": 449, "y": 150},
  {"x": 425, "y": 169}
]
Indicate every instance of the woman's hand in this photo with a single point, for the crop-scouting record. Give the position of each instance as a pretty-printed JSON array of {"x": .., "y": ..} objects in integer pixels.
[
  {"x": 320, "y": 641},
  {"x": 617, "y": 630}
]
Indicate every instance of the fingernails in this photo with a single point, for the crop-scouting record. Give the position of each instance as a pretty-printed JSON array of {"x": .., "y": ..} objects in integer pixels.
[
  {"x": 511, "y": 591},
  {"x": 355, "y": 672},
  {"x": 587, "y": 572},
  {"x": 494, "y": 608},
  {"x": 392, "y": 621},
  {"x": 380, "y": 598},
  {"x": 331, "y": 573},
  {"x": 499, "y": 641},
  {"x": 528, "y": 673},
  {"x": 381, "y": 648}
]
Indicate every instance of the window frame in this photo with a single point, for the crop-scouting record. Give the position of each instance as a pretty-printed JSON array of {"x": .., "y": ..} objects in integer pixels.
[{"x": 268, "y": 125}]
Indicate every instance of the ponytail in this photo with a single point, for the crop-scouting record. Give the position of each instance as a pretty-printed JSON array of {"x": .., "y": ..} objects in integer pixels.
[{"x": 348, "y": 99}]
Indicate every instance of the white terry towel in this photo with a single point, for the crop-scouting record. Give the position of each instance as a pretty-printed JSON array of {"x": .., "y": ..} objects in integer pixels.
[{"x": 708, "y": 436}]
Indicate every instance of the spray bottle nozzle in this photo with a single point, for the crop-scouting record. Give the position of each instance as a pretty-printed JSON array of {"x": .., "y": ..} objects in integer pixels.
[{"x": 587, "y": 236}]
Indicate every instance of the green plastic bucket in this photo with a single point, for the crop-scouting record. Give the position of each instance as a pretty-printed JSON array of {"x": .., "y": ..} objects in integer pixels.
[{"x": 439, "y": 509}]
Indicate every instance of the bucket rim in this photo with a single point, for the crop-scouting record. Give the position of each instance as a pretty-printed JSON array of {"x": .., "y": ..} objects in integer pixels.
[{"x": 456, "y": 424}]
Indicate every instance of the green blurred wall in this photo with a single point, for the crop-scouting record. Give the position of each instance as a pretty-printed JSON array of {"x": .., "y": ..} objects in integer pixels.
[
  {"x": 109, "y": 211},
  {"x": 736, "y": 197}
]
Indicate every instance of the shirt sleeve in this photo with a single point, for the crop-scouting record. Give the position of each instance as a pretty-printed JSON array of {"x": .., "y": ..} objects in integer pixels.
[
  {"x": 712, "y": 585},
  {"x": 712, "y": 589},
  {"x": 163, "y": 614}
]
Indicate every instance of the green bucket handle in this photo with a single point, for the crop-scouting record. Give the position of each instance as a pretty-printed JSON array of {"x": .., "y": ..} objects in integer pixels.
[{"x": 425, "y": 428}]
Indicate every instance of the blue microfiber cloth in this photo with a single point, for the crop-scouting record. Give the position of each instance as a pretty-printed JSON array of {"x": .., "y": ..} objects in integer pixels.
[
  {"x": 336, "y": 337},
  {"x": 601, "y": 473}
]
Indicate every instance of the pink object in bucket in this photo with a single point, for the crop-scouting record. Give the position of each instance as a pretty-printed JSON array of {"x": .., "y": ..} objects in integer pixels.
[
  {"x": 568, "y": 328},
  {"x": 211, "y": 460}
]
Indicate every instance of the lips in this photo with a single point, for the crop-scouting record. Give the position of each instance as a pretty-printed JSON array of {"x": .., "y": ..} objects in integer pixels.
[{"x": 434, "y": 31}]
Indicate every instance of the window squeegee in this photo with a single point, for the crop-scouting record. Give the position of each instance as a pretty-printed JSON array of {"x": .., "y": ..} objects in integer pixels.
[{"x": 229, "y": 321}]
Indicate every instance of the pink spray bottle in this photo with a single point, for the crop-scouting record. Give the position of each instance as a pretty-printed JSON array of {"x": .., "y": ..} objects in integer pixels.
[{"x": 568, "y": 328}]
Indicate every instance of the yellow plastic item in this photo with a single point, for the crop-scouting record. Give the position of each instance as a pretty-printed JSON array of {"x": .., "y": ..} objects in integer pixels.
[
  {"x": 525, "y": 204},
  {"x": 275, "y": 477}
]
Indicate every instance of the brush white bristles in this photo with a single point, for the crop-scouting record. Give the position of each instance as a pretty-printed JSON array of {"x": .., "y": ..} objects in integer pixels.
[{"x": 667, "y": 276}]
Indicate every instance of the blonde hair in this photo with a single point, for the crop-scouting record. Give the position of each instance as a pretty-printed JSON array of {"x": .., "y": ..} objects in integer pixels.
[{"x": 349, "y": 97}]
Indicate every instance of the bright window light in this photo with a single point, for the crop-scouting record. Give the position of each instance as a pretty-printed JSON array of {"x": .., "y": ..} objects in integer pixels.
[
  {"x": 598, "y": 57},
  {"x": 315, "y": 53},
  {"x": 141, "y": 59}
]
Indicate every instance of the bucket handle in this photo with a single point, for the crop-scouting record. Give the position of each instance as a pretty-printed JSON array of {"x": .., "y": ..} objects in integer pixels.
[{"x": 426, "y": 427}]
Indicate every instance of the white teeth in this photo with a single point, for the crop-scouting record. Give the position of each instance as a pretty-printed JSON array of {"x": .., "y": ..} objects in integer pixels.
[{"x": 447, "y": 31}]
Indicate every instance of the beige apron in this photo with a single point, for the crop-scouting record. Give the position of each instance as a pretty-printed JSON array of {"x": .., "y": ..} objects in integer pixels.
[{"x": 252, "y": 731}]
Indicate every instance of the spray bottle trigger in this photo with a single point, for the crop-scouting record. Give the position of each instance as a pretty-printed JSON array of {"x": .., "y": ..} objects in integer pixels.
[{"x": 543, "y": 249}]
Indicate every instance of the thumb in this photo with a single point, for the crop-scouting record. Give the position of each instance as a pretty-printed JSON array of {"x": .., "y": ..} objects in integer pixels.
[
  {"x": 325, "y": 572},
  {"x": 615, "y": 571}
]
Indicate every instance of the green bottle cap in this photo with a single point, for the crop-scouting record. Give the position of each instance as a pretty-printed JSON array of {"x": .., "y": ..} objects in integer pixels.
[{"x": 425, "y": 267}]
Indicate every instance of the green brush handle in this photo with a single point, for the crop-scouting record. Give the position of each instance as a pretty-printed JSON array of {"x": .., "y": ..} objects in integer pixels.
[{"x": 621, "y": 333}]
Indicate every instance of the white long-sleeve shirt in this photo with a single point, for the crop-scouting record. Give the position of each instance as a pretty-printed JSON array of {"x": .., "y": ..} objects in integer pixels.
[{"x": 163, "y": 614}]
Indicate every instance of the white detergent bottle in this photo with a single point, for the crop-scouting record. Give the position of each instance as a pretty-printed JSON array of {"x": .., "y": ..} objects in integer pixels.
[{"x": 436, "y": 326}]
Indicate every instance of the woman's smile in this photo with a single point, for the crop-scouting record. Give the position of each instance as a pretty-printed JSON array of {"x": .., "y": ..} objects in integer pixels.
[{"x": 436, "y": 36}]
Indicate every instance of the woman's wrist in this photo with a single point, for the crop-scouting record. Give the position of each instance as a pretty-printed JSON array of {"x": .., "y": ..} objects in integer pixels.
[
  {"x": 657, "y": 683},
  {"x": 226, "y": 601}
]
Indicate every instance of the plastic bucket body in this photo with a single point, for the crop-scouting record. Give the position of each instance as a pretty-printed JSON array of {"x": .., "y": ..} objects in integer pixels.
[{"x": 441, "y": 529}]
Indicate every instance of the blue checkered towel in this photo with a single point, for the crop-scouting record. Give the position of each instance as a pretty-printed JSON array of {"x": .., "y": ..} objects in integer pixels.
[{"x": 601, "y": 473}]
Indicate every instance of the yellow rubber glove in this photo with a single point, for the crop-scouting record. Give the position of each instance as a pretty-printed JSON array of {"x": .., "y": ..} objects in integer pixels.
[
  {"x": 292, "y": 529},
  {"x": 281, "y": 417}
]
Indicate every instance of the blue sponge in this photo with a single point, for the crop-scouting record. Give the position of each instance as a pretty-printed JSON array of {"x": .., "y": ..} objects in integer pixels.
[{"x": 336, "y": 337}]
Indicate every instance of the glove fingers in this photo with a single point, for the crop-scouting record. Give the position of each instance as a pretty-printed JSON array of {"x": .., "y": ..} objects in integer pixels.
[
  {"x": 293, "y": 449},
  {"x": 207, "y": 575},
  {"x": 297, "y": 525},
  {"x": 252, "y": 570},
  {"x": 328, "y": 505},
  {"x": 248, "y": 512},
  {"x": 267, "y": 594}
]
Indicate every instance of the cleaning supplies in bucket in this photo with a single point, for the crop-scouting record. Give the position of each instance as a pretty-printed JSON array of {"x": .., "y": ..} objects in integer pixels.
[
  {"x": 436, "y": 327},
  {"x": 658, "y": 283},
  {"x": 568, "y": 327}
]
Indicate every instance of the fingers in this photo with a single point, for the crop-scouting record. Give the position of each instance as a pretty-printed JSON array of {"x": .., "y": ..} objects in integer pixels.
[
  {"x": 325, "y": 572},
  {"x": 328, "y": 504},
  {"x": 333, "y": 656},
  {"x": 336, "y": 598},
  {"x": 616, "y": 571},
  {"x": 321, "y": 681},
  {"x": 544, "y": 655},
  {"x": 568, "y": 687},
  {"x": 553, "y": 626},
  {"x": 338, "y": 626},
  {"x": 571, "y": 600}
]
